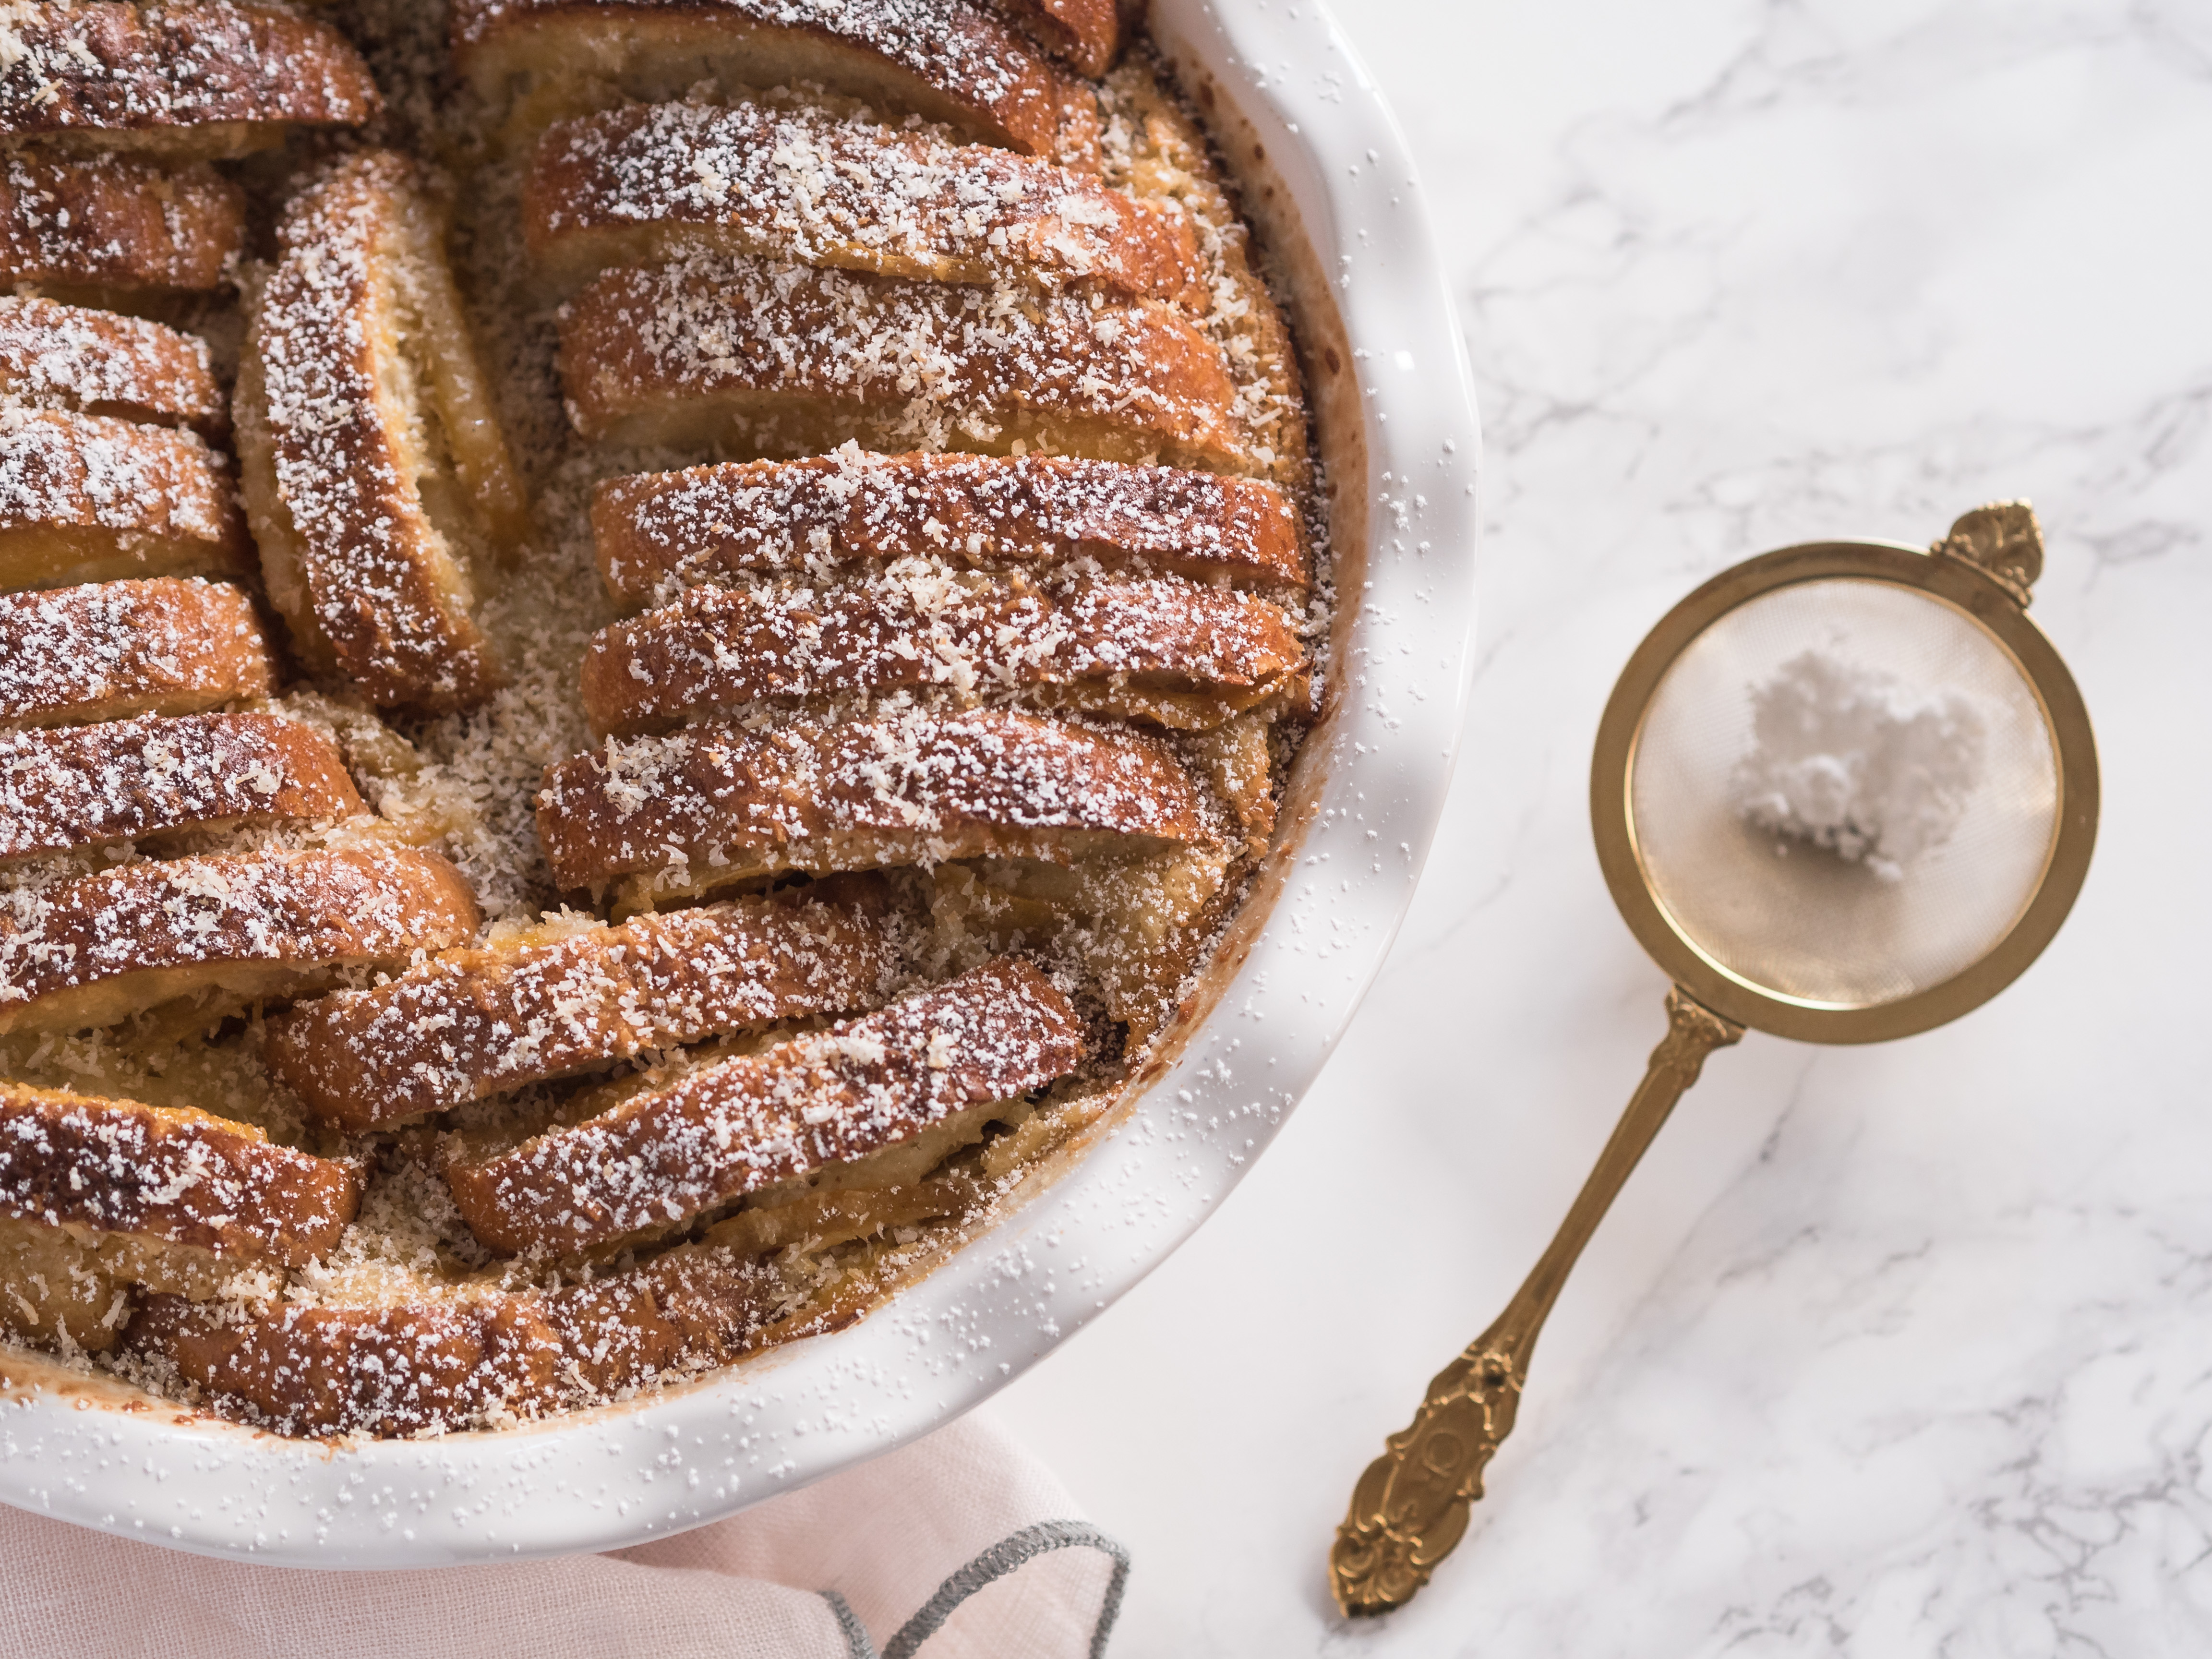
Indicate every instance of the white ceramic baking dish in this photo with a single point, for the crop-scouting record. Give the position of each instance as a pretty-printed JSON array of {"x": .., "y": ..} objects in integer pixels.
[{"x": 1330, "y": 185}]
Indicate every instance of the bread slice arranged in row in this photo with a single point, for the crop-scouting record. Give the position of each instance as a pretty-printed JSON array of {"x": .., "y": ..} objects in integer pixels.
[
  {"x": 945, "y": 61},
  {"x": 475, "y": 1022},
  {"x": 107, "y": 651},
  {"x": 658, "y": 534},
  {"x": 662, "y": 1156},
  {"x": 378, "y": 480},
  {"x": 644, "y": 182}
]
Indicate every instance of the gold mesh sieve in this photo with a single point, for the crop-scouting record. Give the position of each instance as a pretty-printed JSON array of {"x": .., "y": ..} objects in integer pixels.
[{"x": 1757, "y": 931}]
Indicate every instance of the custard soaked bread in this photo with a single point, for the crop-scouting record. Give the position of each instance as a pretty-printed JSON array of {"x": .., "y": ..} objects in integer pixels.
[
  {"x": 378, "y": 478},
  {"x": 943, "y": 60},
  {"x": 1164, "y": 652},
  {"x": 656, "y": 532},
  {"x": 630, "y": 186},
  {"x": 712, "y": 865},
  {"x": 134, "y": 779},
  {"x": 180, "y": 82},
  {"x": 474, "y": 1023}
]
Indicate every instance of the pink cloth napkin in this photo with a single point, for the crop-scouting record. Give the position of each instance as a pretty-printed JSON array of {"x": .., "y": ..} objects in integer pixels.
[{"x": 960, "y": 1546}]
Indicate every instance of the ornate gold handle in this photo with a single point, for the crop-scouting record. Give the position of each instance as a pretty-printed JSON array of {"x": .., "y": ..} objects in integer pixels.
[{"x": 1411, "y": 1507}]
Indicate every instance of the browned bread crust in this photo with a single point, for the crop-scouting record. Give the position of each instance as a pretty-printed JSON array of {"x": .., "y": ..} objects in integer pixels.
[
  {"x": 656, "y": 532},
  {"x": 372, "y": 572},
  {"x": 88, "y": 498},
  {"x": 106, "y": 224},
  {"x": 665, "y": 1156},
  {"x": 722, "y": 802},
  {"x": 170, "y": 1174},
  {"x": 180, "y": 82},
  {"x": 758, "y": 359},
  {"x": 944, "y": 60},
  {"x": 1166, "y": 652},
  {"x": 101, "y": 652},
  {"x": 129, "y": 780},
  {"x": 1085, "y": 33},
  {"x": 630, "y": 187},
  {"x": 468, "y": 1362},
  {"x": 242, "y": 927},
  {"x": 474, "y": 1023},
  {"x": 97, "y": 362}
]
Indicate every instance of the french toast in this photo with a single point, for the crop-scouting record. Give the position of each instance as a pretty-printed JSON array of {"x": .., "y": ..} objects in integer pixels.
[
  {"x": 757, "y": 359},
  {"x": 656, "y": 533},
  {"x": 718, "y": 803},
  {"x": 183, "y": 81},
  {"x": 115, "y": 230},
  {"x": 105, "y": 651},
  {"x": 474, "y": 1023},
  {"x": 377, "y": 481},
  {"x": 145, "y": 779},
  {"x": 88, "y": 498},
  {"x": 635, "y": 185},
  {"x": 223, "y": 930},
  {"x": 95, "y": 362},
  {"x": 801, "y": 578},
  {"x": 943, "y": 60},
  {"x": 663, "y": 1156},
  {"x": 1162, "y": 653}
]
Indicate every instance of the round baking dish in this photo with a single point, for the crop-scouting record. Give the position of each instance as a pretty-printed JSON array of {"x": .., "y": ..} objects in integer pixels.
[{"x": 1330, "y": 186}]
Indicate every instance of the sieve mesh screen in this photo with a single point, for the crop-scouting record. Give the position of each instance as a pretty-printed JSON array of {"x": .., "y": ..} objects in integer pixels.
[{"x": 1798, "y": 920}]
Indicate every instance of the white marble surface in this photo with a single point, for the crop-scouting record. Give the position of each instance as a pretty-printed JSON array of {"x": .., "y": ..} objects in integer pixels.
[{"x": 1886, "y": 1351}]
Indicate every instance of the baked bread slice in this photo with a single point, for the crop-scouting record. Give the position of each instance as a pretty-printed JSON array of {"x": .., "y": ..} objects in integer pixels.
[
  {"x": 944, "y": 60},
  {"x": 475, "y": 1022},
  {"x": 718, "y": 803},
  {"x": 208, "y": 1191},
  {"x": 227, "y": 929},
  {"x": 1167, "y": 653},
  {"x": 630, "y": 186},
  {"x": 377, "y": 480},
  {"x": 111, "y": 230},
  {"x": 663, "y": 1156},
  {"x": 108, "y": 650},
  {"x": 659, "y": 532},
  {"x": 1085, "y": 33},
  {"x": 758, "y": 359},
  {"x": 96, "y": 363},
  {"x": 179, "y": 82},
  {"x": 87, "y": 498},
  {"x": 91, "y": 786}
]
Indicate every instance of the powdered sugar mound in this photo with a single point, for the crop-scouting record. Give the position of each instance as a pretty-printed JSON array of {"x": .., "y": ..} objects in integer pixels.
[{"x": 1850, "y": 759}]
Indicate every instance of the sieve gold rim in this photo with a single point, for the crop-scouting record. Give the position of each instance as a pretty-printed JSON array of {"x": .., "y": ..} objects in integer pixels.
[{"x": 1964, "y": 587}]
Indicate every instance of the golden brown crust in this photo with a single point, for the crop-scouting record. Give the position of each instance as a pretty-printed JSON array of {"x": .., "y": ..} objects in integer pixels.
[
  {"x": 1163, "y": 652},
  {"x": 170, "y": 1174},
  {"x": 421, "y": 1366},
  {"x": 722, "y": 802},
  {"x": 371, "y": 569},
  {"x": 944, "y": 60},
  {"x": 97, "y": 948},
  {"x": 96, "y": 363},
  {"x": 108, "y": 650},
  {"x": 475, "y": 1022},
  {"x": 108, "y": 223},
  {"x": 179, "y": 82},
  {"x": 665, "y": 1156},
  {"x": 656, "y": 532},
  {"x": 130, "y": 780},
  {"x": 87, "y": 498},
  {"x": 762, "y": 360},
  {"x": 1085, "y": 33},
  {"x": 634, "y": 186}
]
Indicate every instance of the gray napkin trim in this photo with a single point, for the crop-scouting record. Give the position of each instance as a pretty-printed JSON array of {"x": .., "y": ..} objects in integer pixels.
[{"x": 1005, "y": 1556}]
